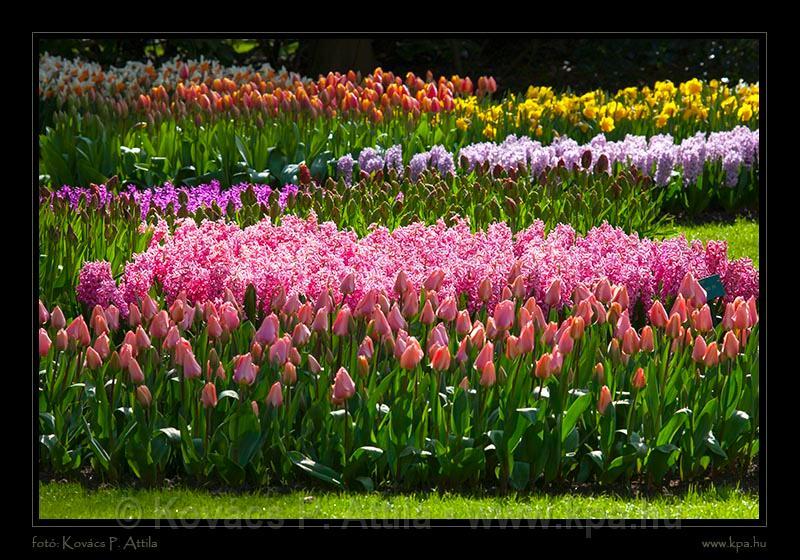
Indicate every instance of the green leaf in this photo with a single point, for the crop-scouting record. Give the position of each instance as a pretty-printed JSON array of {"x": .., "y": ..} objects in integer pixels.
[
  {"x": 672, "y": 426},
  {"x": 571, "y": 417},
  {"x": 315, "y": 469},
  {"x": 173, "y": 434}
]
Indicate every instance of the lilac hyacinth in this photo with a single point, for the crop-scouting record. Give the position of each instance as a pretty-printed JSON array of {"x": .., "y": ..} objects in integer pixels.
[
  {"x": 162, "y": 198},
  {"x": 418, "y": 164},
  {"x": 394, "y": 158},
  {"x": 370, "y": 161},
  {"x": 344, "y": 169},
  {"x": 96, "y": 286}
]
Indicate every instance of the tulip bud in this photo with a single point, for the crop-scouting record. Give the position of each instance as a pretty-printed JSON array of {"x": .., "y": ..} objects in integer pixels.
[
  {"x": 208, "y": 397},
  {"x": 504, "y": 315},
  {"x": 599, "y": 372},
  {"x": 434, "y": 280},
  {"x": 44, "y": 343},
  {"x": 639, "y": 379},
  {"x": 134, "y": 317},
  {"x": 256, "y": 351},
  {"x": 577, "y": 328},
  {"x": 630, "y": 341},
  {"x": 542, "y": 370},
  {"x": 674, "y": 328},
  {"x": 44, "y": 315},
  {"x": 142, "y": 340},
  {"x": 658, "y": 315},
  {"x": 135, "y": 370},
  {"x": 711, "y": 357},
  {"x": 647, "y": 344},
  {"x": 93, "y": 359},
  {"x": 275, "y": 396},
  {"x": 143, "y": 396},
  {"x": 730, "y": 345},
  {"x": 427, "y": 316},
  {"x": 191, "y": 368},
  {"x": 699, "y": 350},
  {"x": 343, "y": 387},
  {"x": 464, "y": 383},
  {"x": 485, "y": 289},
  {"x": 553, "y": 295},
  {"x": 461, "y": 353},
  {"x": 604, "y": 400},
  {"x": 565, "y": 342},
  {"x": 301, "y": 334},
  {"x": 149, "y": 308},
  {"x": 448, "y": 310},
  {"x": 313, "y": 365},
  {"x": 244, "y": 372},
  {"x": 441, "y": 359},
  {"x": 401, "y": 283},
  {"x": 488, "y": 376},
  {"x": 254, "y": 407},
  {"x": 57, "y": 319},
  {"x": 289, "y": 376}
]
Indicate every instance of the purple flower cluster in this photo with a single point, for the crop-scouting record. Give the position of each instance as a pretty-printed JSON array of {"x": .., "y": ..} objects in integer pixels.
[
  {"x": 394, "y": 158},
  {"x": 96, "y": 286},
  {"x": 160, "y": 198},
  {"x": 344, "y": 168},
  {"x": 659, "y": 156}
]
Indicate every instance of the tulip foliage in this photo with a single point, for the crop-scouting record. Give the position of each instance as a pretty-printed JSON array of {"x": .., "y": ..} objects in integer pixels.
[{"x": 405, "y": 389}]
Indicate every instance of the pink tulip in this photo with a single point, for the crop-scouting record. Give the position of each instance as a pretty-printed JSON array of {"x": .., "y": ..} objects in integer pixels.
[
  {"x": 57, "y": 320},
  {"x": 477, "y": 336},
  {"x": 401, "y": 283},
  {"x": 620, "y": 295},
  {"x": 267, "y": 333},
  {"x": 585, "y": 311},
  {"x": 410, "y": 303},
  {"x": 512, "y": 351},
  {"x": 77, "y": 330},
  {"x": 699, "y": 350},
  {"x": 279, "y": 352},
  {"x": 686, "y": 288},
  {"x": 142, "y": 340},
  {"x": 381, "y": 324},
  {"x": 674, "y": 328},
  {"x": 464, "y": 383},
  {"x": 102, "y": 346},
  {"x": 639, "y": 380},
  {"x": 341, "y": 325},
  {"x": 244, "y": 372},
  {"x": 630, "y": 342},
  {"x": 542, "y": 370},
  {"x": 711, "y": 357},
  {"x": 93, "y": 359},
  {"x": 159, "y": 327},
  {"x": 553, "y": 295},
  {"x": 447, "y": 310},
  {"x": 188, "y": 317},
  {"x": 488, "y": 376},
  {"x": 600, "y": 311},
  {"x": 215, "y": 329},
  {"x": 599, "y": 371},
  {"x": 99, "y": 324},
  {"x": 348, "y": 284},
  {"x": 556, "y": 360},
  {"x": 313, "y": 365},
  {"x": 565, "y": 342},
  {"x": 491, "y": 328},
  {"x": 658, "y": 315},
  {"x": 301, "y": 335},
  {"x": 149, "y": 308},
  {"x": 486, "y": 355},
  {"x": 44, "y": 315},
  {"x": 176, "y": 310},
  {"x": 518, "y": 288},
  {"x": 504, "y": 315},
  {"x": 485, "y": 289},
  {"x": 208, "y": 396},
  {"x": 44, "y": 343},
  {"x": 130, "y": 338},
  {"x": 577, "y": 328},
  {"x": 623, "y": 324},
  {"x": 604, "y": 400},
  {"x": 366, "y": 305},
  {"x": 112, "y": 317},
  {"x": 441, "y": 359},
  {"x": 291, "y": 305},
  {"x": 647, "y": 344},
  {"x": 254, "y": 407},
  {"x": 752, "y": 312},
  {"x": 703, "y": 322},
  {"x": 306, "y": 313},
  {"x": 229, "y": 316},
  {"x": 135, "y": 371},
  {"x": 343, "y": 387},
  {"x": 602, "y": 291},
  {"x": 549, "y": 334},
  {"x": 62, "y": 339},
  {"x": 412, "y": 354},
  {"x": 191, "y": 369},
  {"x": 275, "y": 396},
  {"x": 366, "y": 348},
  {"x": 434, "y": 280},
  {"x": 679, "y": 307},
  {"x": 289, "y": 375},
  {"x": 143, "y": 396},
  {"x": 527, "y": 339},
  {"x": 172, "y": 337},
  {"x": 125, "y": 356},
  {"x": 461, "y": 353},
  {"x": 741, "y": 318},
  {"x": 134, "y": 316},
  {"x": 427, "y": 316},
  {"x": 730, "y": 345},
  {"x": 396, "y": 320}
]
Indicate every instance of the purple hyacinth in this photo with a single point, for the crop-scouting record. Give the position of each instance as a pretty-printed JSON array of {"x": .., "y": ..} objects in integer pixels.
[
  {"x": 394, "y": 158},
  {"x": 344, "y": 168},
  {"x": 370, "y": 161}
]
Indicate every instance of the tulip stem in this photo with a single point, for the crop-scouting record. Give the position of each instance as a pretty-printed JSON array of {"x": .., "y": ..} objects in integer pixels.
[{"x": 346, "y": 433}]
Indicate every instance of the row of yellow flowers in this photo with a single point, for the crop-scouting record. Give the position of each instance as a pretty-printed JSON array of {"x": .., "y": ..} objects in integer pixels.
[{"x": 664, "y": 108}]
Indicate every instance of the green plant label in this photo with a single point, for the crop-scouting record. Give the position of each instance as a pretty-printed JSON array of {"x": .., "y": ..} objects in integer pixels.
[{"x": 713, "y": 286}]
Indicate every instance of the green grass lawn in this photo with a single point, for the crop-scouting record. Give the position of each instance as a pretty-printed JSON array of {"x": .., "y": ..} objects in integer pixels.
[
  {"x": 73, "y": 501},
  {"x": 742, "y": 236}
]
